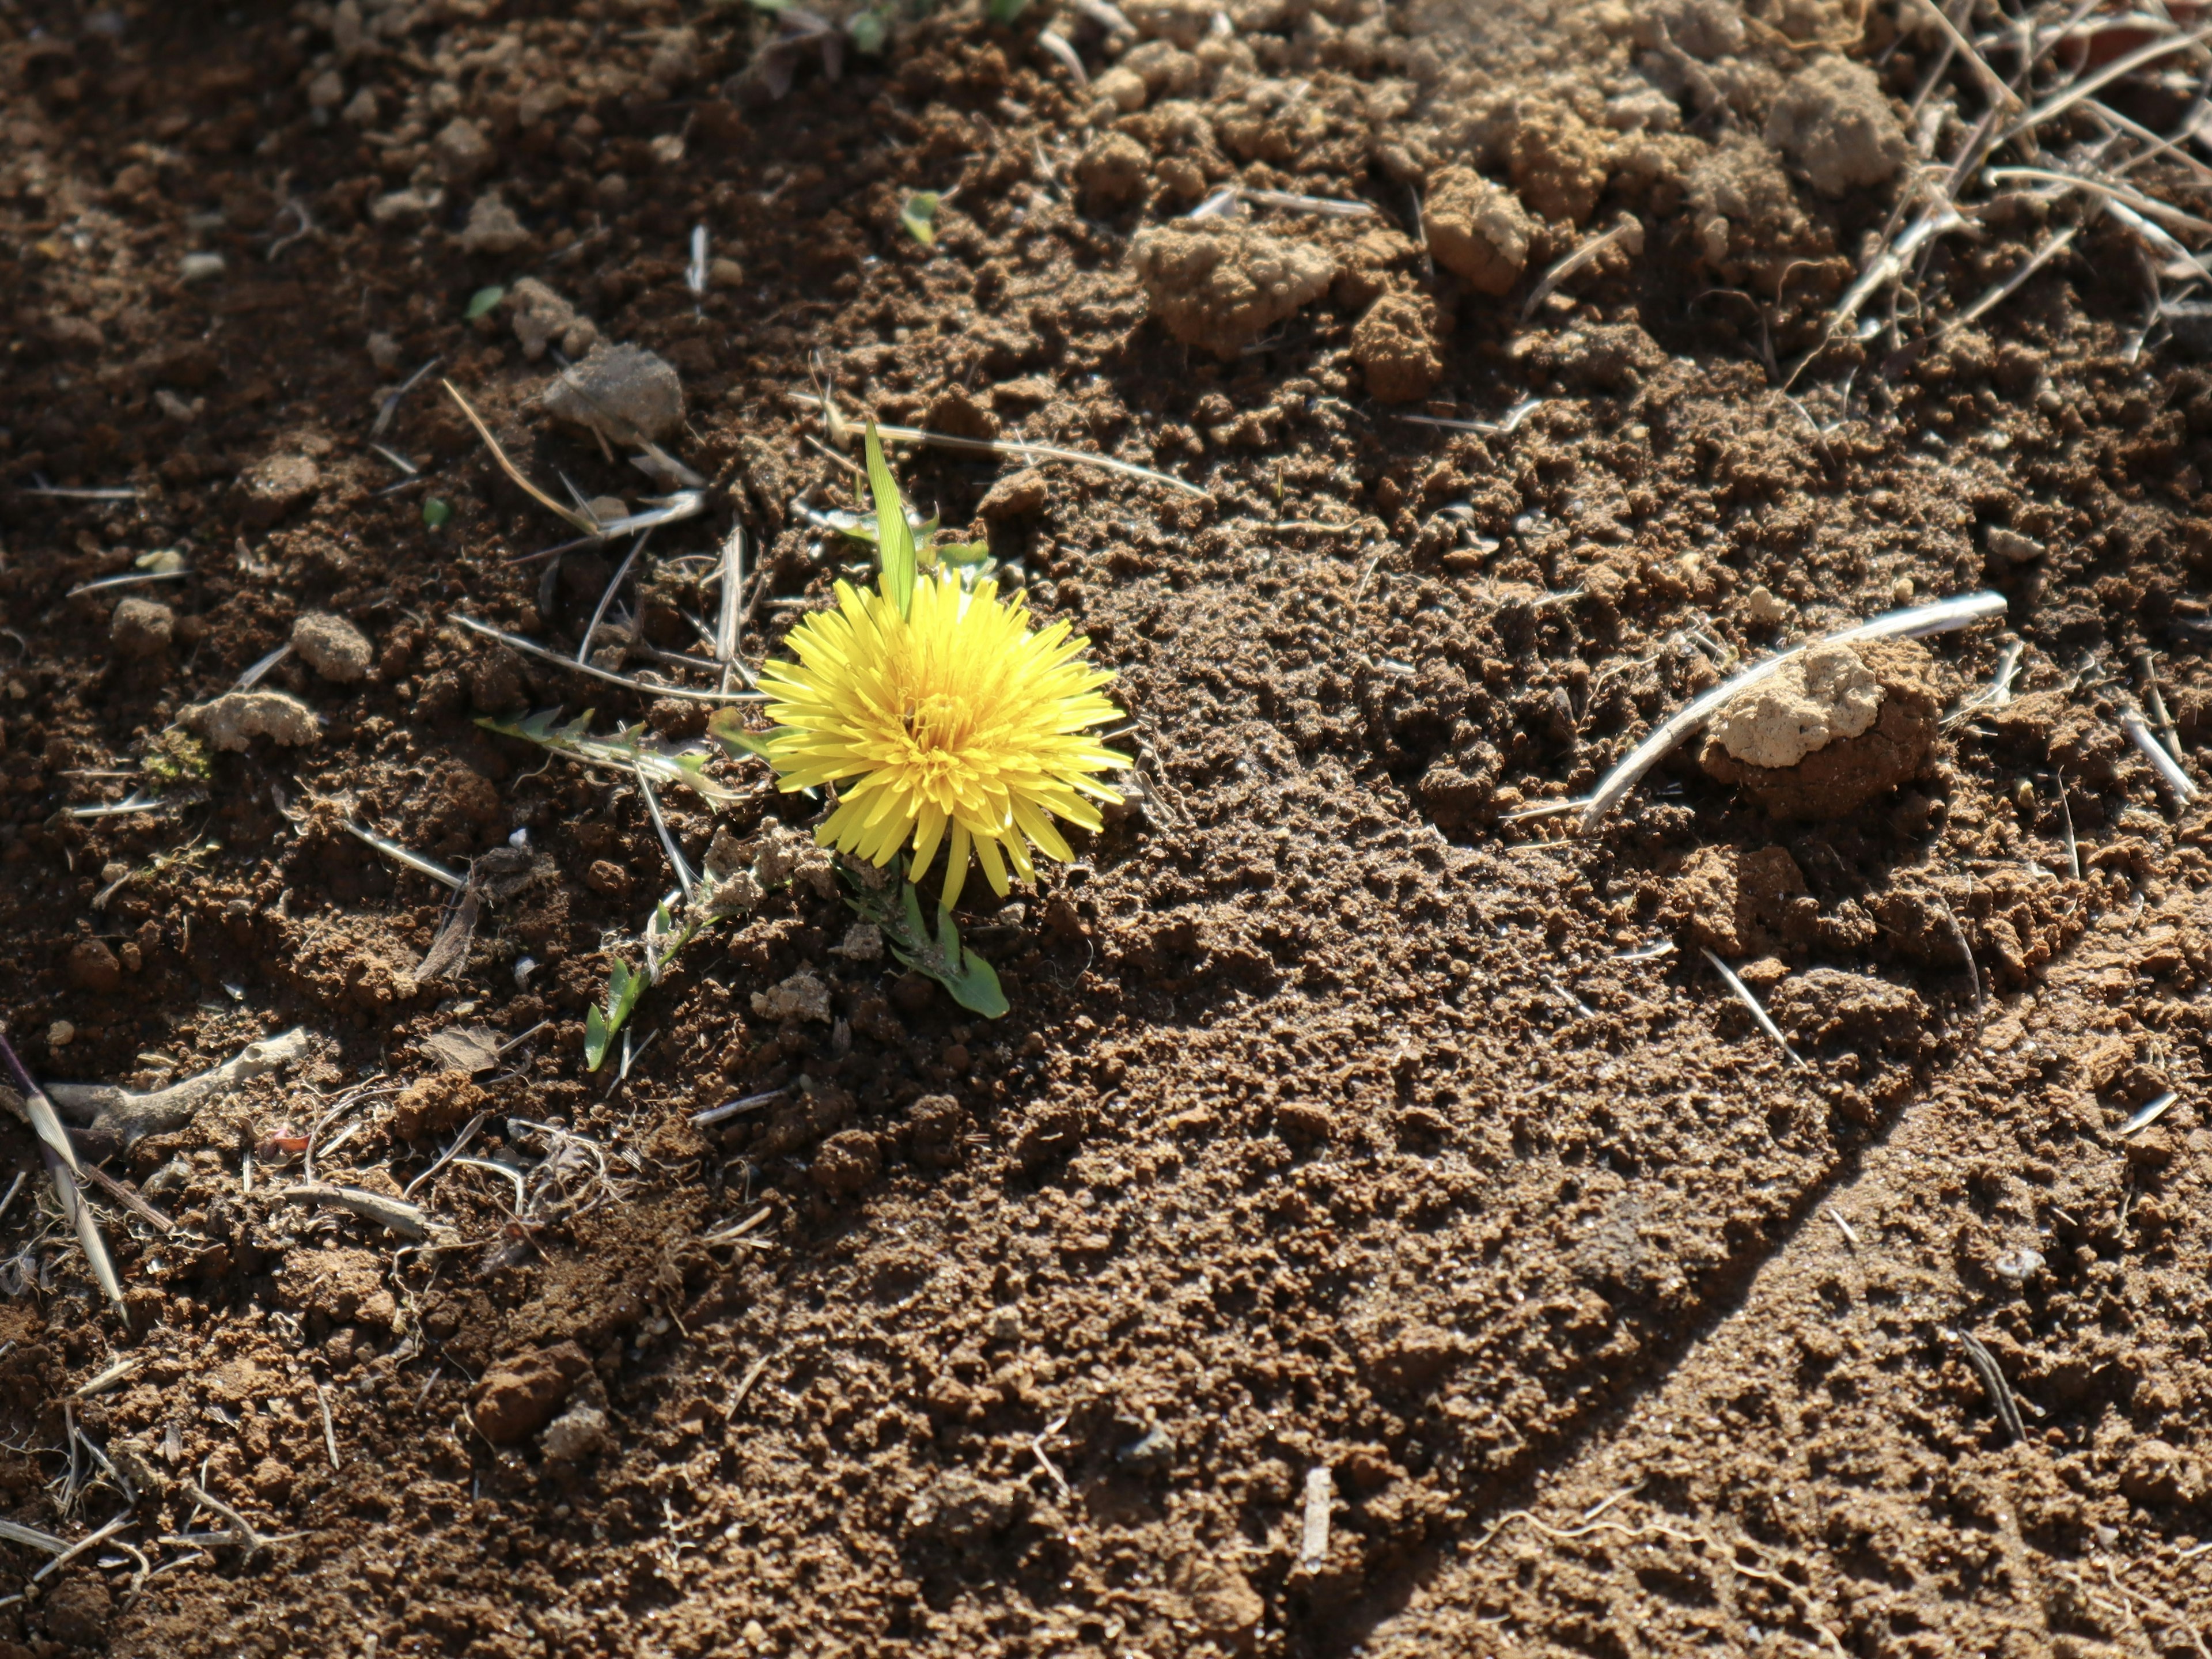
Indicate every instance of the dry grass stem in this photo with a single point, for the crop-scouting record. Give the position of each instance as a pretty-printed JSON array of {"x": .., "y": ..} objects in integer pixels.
[
  {"x": 1313, "y": 1539},
  {"x": 1993, "y": 1382},
  {"x": 401, "y": 855},
  {"x": 330, "y": 1429},
  {"x": 580, "y": 522},
  {"x": 731, "y": 1108},
  {"x": 643, "y": 688},
  {"x": 467, "y": 1134},
  {"x": 2155, "y": 751},
  {"x": 2150, "y": 1113},
  {"x": 607, "y": 596},
  {"x": 1628, "y": 233},
  {"x": 1019, "y": 450},
  {"x": 2051, "y": 247},
  {"x": 2150, "y": 206},
  {"x": 1758, "y": 1011},
  {"x": 127, "y": 1197},
  {"x": 2090, "y": 85},
  {"x": 1509, "y": 421}
]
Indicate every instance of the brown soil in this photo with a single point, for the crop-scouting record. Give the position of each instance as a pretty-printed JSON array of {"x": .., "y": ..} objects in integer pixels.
[{"x": 1344, "y": 1121}]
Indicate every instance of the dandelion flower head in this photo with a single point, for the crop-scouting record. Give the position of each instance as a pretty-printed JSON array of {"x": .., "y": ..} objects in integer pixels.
[{"x": 953, "y": 724}]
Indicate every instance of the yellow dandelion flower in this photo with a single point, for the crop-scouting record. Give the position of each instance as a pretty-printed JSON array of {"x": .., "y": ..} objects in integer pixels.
[{"x": 951, "y": 723}]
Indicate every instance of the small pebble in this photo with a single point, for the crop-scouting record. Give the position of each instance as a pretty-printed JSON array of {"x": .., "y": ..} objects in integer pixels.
[
  {"x": 199, "y": 267},
  {"x": 60, "y": 1034}
]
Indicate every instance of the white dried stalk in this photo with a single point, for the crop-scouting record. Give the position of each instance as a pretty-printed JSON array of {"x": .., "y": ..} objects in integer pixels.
[
  {"x": 2153, "y": 751},
  {"x": 2089, "y": 86}
]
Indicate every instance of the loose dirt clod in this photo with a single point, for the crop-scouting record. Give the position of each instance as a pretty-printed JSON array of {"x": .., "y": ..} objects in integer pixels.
[
  {"x": 493, "y": 228},
  {"x": 236, "y": 718},
  {"x": 519, "y": 1395},
  {"x": 1831, "y": 730},
  {"x": 142, "y": 628},
  {"x": 1111, "y": 172},
  {"x": 1826, "y": 694},
  {"x": 1218, "y": 285},
  {"x": 1835, "y": 123},
  {"x": 803, "y": 996},
  {"x": 623, "y": 392},
  {"x": 1478, "y": 229},
  {"x": 333, "y": 647},
  {"x": 1017, "y": 496},
  {"x": 541, "y": 317},
  {"x": 1395, "y": 346},
  {"x": 277, "y": 485}
]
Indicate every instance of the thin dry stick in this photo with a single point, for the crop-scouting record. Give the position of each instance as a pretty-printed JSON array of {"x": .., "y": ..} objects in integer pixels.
[
  {"x": 2148, "y": 666},
  {"x": 127, "y": 1197},
  {"x": 401, "y": 855},
  {"x": 1313, "y": 1542},
  {"x": 1743, "y": 995},
  {"x": 1993, "y": 1380},
  {"x": 677, "y": 861},
  {"x": 2000, "y": 93},
  {"x": 467, "y": 1134},
  {"x": 1965, "y": 950},
  {"x": 1629, "y": 232},
  {"x": 530, "y": 648},
  {"x": 2150, "y": 206},
  {"x": 2072, "y": 848}
]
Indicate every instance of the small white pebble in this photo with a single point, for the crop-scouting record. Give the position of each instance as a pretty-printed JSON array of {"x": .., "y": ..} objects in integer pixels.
[
  {"x": 199, "y": 267},
  {"x": 60, "y": 1034}
]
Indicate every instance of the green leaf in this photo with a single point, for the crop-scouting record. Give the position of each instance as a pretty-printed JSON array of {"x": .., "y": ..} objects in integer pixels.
[
  {"x": 975, "y": 982},
  {"x": 727, "y": 727},
  {"x": 436, "y": 512},
  {"x": 481, "y": 301},
  {"x": 894, "y": 537},
  {"x": 597, "y": 1033},
  {"x": 964, "y": 553},
  {"x": 918, "y": 216},
  {"x": 1004, "y": 11},
  {"x": 868, "y": 30}
]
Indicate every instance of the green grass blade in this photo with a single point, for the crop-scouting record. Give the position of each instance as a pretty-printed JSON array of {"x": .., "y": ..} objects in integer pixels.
[{"x": 894, "y": 537}]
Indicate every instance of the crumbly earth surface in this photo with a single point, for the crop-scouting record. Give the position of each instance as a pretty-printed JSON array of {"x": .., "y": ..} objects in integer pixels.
[{"x": 1374, "y": 1228}]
